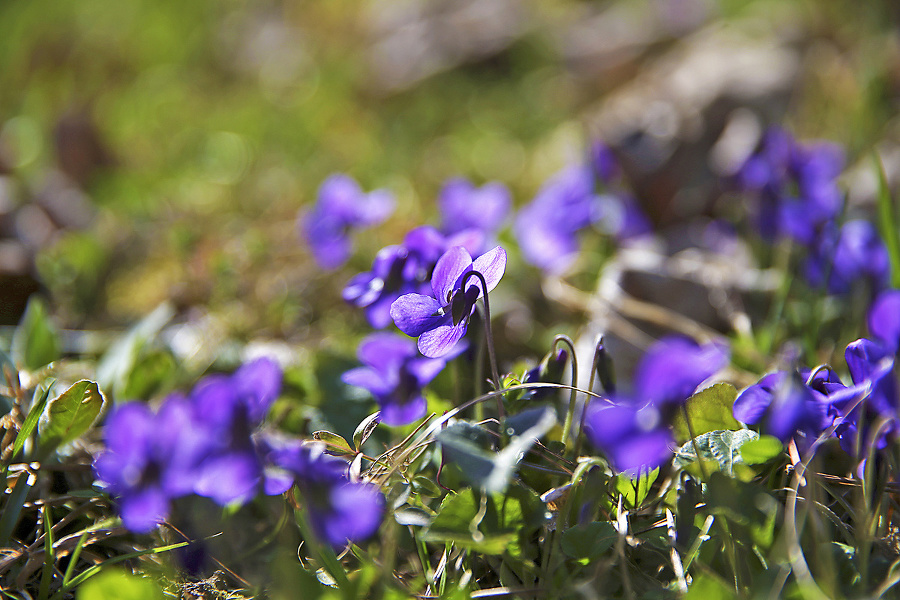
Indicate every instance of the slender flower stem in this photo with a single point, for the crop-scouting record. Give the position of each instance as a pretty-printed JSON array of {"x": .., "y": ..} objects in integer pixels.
[
  {"x": 599, "y": 352},
  {"x": 570, "y": 413},
  {"x": 489, "y": 337}
]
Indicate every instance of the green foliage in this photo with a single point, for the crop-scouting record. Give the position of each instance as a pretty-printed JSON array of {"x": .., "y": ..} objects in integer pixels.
[
  {"x": 634, "y": 490},
  {"x": 36, "y": 340},
  {"x": 465, "y": 444},
  {"x": 588, "y": 542},
  {"x": 721, "y": 448},
  {"x": 709, "y": 409},
  {"x": 115, "y": 584},
  {"x": 487, "y": 523},
  {"x": 69, "y": 415}
]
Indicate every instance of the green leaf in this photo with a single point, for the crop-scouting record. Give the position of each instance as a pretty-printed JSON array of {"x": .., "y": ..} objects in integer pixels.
[
  {"x": 634, "y": 490},
  {"x": 762, "y": 449},
  {"x": 115, "y": 584},
  {"x": 721, "y": 447},
  {"x": 150, "y": 373},
  {"x": 887, "y": 222},
  {"x": 709, "y": 587},
  {"x": 464, "y": 444},
  {"x": 490, "y": 524},
  {"x": 36, "y": 340},
  {"x": 334, "y": 443},
  {"x": 365, "y": 429},
  {"x": 709, "y": 409},
  {"x": 70, "y": 415},
  {"x": 118, "y": 362},
  {"x": 589, "y": 541}
]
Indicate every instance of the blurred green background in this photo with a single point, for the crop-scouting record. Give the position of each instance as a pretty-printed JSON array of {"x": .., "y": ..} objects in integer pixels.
[{"x": 161, "y": 150}]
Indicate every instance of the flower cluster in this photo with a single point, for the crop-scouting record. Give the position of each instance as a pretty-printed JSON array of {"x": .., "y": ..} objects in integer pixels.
[
  {"x": 209, "y": 443},
  {"x": 797, "y": 197},
  {"x": 804, "y": 404},
  {"x": 471, "y": 217},
  {"x": 632, "y": 430}
]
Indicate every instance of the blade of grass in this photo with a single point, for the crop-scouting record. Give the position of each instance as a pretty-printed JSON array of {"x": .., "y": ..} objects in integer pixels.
[
  {"x": 49, "y": 556},
  {"x": 14, "y": 506},
  {"x": 41, "y": 394},
  {"x": 887, "y": 222},
  {"x": 90, "y": 572}
]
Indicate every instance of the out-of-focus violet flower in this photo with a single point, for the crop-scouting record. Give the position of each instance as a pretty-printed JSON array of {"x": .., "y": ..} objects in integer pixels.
[
  {"x": 674, "y": 366},
  {"x": 149, "y": 460},
  {"x": 884, "y": 319},
  {"x": 394, "y": 373},
  {"x": 338, "y": 509},
  {"x": 854, "y": 253},
  {"x": 341, "y": 207},
  {"x": 441, "y": 319},
  {"x": 795, "y": 185},
  {"x": 547, "y": 228},
  {"x": 632, "y": 436},
  {"x": 464, "y": 206},
  {"x": 633, "y": 431}
]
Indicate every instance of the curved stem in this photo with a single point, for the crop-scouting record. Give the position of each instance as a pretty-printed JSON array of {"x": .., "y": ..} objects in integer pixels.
[
  {"x": 489, "y": 337},
  {"x": 570, "y": 412},
  {"x": 599, "y": 354}
]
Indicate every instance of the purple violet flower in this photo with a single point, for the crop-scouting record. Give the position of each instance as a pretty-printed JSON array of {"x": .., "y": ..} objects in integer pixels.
[
  {"x": 547, "y": 228},
  {"x": 440, "y": 320},
  {"x": 884, "y": 319},
  {"x": 394, "y": 374},
  {"x": 854, "y": 253},
  {"x": 149, "y": 460},
  {"x": 341, "y": 207},
  {"x": 338, "y": 509},
  {"x": 795, "y": 184},
  {"x": 633, "y": 431},
  {"x": 463, "y": 206},
  {"x": 404, "y": 269}
]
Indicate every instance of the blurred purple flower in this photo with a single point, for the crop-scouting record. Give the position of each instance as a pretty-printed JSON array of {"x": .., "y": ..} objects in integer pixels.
[
  {"x": 847, "y": 256},
  {"x": 463, "y": 206},
  {"x": 632, "y": 436},
  {"x": 633, "y": 431},
  {"x": 547, "y": 228},
  {"x": 338, "y": 509},
  {"x": 674, "y": 366},
  {"x": 884, "y": 319},
  {"x": 341, "y": 207},
  {"x": 795, "y": 184},
  {"x": 440, "y": 320},
  {"x": 149, "y": 460},
  {"x": 394, "y": 374}
]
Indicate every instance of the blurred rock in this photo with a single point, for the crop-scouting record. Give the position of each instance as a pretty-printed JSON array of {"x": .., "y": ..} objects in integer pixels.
[{"x": 414, "y": 40}]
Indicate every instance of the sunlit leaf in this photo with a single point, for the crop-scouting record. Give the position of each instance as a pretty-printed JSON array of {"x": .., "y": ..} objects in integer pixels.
[
  {"x": 70, "y": 415},
  {"x": 709, "y": 409},
  {"x": 723, "y": 448}
]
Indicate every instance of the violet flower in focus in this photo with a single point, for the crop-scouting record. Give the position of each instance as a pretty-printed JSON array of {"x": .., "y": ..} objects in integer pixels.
[
  {"x": 341, "y": 207},
  {"x": 404, "y": 269},
  {"x": 441, "y": 319},
  {"x": 394, "y": 373}
]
